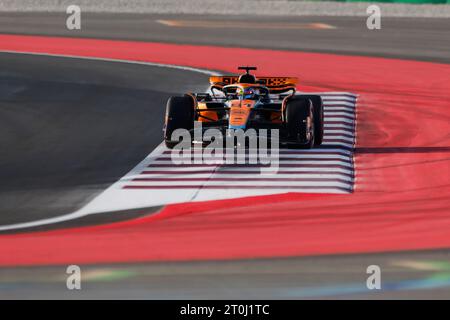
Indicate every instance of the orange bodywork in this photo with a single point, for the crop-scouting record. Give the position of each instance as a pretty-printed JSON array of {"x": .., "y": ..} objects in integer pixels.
[
  {"x": 207, "y": 116},
  {"x": 239, "y": 112},
  {"x": 274, "y": 84}
]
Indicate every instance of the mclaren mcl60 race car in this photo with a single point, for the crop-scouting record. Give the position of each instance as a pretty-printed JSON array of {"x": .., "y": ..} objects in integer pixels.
[{"x": 245, "y": 102}]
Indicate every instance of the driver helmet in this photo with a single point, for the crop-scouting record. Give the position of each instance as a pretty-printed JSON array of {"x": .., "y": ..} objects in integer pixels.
[{"x": 249, "y": 93}]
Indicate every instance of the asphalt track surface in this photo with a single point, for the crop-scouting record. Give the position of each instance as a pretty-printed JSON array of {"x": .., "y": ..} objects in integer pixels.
[
  {"x": 101, "y": 90},
  {"x": 95, "y": 123},
  {"x": 405, "y": 38}
]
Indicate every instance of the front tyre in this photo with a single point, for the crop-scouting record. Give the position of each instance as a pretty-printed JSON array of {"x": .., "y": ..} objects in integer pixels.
[
  {"x": 179, "y": 115},
  {"x": 300, "y": 123},
  {"x": 318, "y": 118}
]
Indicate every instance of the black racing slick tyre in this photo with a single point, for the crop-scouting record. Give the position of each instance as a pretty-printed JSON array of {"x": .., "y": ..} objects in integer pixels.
[
  {"x": 300, "y": 123},
  {"x": 318, "y": 118},
  {"x": 179, "y": 115}
]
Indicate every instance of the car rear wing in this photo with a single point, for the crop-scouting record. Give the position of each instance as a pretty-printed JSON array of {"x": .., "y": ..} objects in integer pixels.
[{"x": 274, "y": 84}]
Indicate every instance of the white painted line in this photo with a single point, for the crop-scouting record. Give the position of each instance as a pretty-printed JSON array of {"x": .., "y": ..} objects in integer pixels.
[
  {"x": 346, "y": 139},
  {"x": 338, "y": 119},
  {"x": 339, "y": 103},
  {"x": 292, "y": 157},
  {"x": 225, "y": 170},
  {"x": 338, "y": 125},
  {"x": 159, "y": 164},
  {"x": 338, "y": 114},
  {"x": 326, "y": 99},
  {"x": 304, "y": 175},
  {"x": 332, "y": 143},
  {"x": 162, "y": 65}
]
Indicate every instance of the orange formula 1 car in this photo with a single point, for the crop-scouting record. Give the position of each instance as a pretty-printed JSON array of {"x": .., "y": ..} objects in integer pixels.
[{"x": 245, "y": 102}]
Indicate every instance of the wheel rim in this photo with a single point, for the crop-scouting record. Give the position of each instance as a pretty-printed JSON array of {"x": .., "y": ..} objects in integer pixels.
[{"x": 310, "y": 127}]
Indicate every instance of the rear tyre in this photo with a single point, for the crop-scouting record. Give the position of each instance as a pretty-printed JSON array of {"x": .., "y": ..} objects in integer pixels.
[
  {"x": 179, "y": 115},
  {"x": 318, "y": 118},
  {"x": 300, "y": 123}
]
